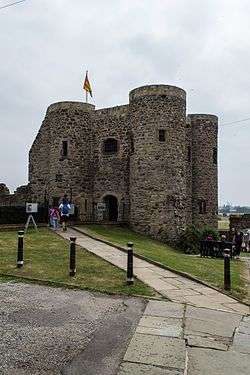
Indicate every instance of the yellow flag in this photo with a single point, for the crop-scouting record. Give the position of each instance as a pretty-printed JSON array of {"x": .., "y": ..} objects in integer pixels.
[{"x": 86, "y": 85}]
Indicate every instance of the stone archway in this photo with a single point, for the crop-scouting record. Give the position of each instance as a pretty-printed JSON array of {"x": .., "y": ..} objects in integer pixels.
[{"x": 111, "y": 207}]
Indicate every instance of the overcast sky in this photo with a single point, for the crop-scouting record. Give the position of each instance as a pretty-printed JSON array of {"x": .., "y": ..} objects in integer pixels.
[{"x": 202, "y": 46}]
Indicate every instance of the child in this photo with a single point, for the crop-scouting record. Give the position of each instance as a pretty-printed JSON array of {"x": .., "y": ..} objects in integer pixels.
[{"x": 54, "y": 217}]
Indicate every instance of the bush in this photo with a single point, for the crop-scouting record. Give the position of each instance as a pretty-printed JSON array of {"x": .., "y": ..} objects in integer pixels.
[
  {"x": 190, "y": 240},
  {"x": 208, "y": 231},
  {"x": 191, "y": 237}
]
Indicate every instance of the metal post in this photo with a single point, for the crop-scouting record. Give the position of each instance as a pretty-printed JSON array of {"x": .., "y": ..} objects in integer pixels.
[
  {"x": 72, "y": 259},
  {"x": 130, "y": 279},
  {"x": 20, "y": 249},
  {"x": 227, "y": 275}
]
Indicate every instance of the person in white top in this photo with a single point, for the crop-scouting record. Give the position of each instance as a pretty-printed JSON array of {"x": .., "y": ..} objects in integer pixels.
[{"x": 64, "y": 208}]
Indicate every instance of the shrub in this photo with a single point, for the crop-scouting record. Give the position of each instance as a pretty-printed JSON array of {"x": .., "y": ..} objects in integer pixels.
[
  {"x": 208, "y": 231},
  {"x": 190, "y": 240}
]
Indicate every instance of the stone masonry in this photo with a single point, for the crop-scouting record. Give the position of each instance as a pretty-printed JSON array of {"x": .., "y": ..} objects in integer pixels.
[{"x": 145, "y": 163}]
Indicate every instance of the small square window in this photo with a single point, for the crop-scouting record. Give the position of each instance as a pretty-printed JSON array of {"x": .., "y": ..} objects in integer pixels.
[
  {"x": 162, "y": 137},
  {"x": 110, "y": 146},
  {"x": 58, "y": 177}
]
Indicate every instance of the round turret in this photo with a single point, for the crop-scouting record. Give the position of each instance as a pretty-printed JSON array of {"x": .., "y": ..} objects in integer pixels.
[
  {"x": 204, "y": 130},
  {"x": 66, "y": 138},
  {"x": 157, "y": 165}
]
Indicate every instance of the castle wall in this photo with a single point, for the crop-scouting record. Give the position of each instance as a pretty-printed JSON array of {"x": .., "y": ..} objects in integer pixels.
[
  {"x": 158, "y": 168},
  {"x": 111, "y": 170}
]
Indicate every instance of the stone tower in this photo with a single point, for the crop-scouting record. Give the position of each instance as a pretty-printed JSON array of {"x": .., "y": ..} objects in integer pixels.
[
  {"x": 204, "y": 130},
  {"x": 157, "y": 166}
]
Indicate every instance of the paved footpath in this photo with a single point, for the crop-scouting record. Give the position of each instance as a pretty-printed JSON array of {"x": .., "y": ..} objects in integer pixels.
[
  {"x": 198, "y": 332},
  {"x": 169, "y": 284}
]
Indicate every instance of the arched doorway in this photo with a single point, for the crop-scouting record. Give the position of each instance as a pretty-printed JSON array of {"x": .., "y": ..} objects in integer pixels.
[{"x": 111, "y": 207}]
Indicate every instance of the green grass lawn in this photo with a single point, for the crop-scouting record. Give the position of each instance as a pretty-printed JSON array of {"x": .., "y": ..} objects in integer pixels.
[
  {"x": 206, "y": 269},
  {"x": 46, "y": 258}
]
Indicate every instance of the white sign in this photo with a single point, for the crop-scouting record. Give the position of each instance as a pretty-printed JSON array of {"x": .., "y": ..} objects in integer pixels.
[
  {"x": 31, "y": 208},
  {"x": 72, "y": 209}
]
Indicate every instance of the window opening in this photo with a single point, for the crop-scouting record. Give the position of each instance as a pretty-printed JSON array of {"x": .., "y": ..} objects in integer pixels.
[
  {"x": 110, "y": 146},
  {"x": 162, "y": 135},
  {"x": 64, "y": 148},
  {"x": 202, "y": 206},
  {"x": 189, "y": 155},
  {"x": 132, "y": 143},
  {"x": 215, "y": 155},
  {"x": 58, "y": 177}
]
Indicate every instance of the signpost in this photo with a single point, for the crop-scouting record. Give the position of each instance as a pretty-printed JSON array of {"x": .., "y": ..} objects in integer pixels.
[{"x": 31, "y": 208}]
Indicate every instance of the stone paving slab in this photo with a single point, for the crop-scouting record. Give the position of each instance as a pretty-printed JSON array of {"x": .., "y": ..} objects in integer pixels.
[
  {"x": 139, "y": 369},
  {"x": 205, "y": 322},
  {"x": 244, "y": 326},
  {"x": 157, "y": 283},
  {"x": 212, "y": 315},
  {"x": 164, "y": 273},
  {"x": 164, "y": 309},
  {"x": 241, "y": 343},
  {"x": 156, "y": 350},
  {"x": 208, "y": 331},
  {"x": 237, "y": 307},
  {"x": 207, "y": 342},
  {"x": 179, "y": 293},
  {"x": 155, "y": 325},
  {"x": 209, "y": 362},
  {"x": 163, "y": 281}
]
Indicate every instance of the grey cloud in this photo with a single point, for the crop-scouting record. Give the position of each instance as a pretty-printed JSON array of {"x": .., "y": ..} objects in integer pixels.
[{"x": 201, "y": 46}]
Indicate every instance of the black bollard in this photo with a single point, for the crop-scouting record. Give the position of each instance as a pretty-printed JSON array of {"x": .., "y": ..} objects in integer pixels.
[
  {"x": 20, "y": 249},
  {"x": 130, "y": 279},
  {"x": 227, "y": 275},
  {"x": 72, "y": 258}
]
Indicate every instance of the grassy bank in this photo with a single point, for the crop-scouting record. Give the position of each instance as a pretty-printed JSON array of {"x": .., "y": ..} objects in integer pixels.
[
  {"x": 205, "y": 269},
  {"x": 46, "y": 259}
]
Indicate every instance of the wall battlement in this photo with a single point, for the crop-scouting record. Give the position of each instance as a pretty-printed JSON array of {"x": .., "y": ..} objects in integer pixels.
[
  {"x": 67, "y": 105},
  {"x": 156, "y": 90}
]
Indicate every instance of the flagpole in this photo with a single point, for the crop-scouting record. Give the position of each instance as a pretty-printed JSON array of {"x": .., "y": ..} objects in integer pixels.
[{"x": 86, "y": 90}]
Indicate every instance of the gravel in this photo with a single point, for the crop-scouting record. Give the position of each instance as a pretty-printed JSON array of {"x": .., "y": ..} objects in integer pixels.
[{"x": 52, "y": 331}]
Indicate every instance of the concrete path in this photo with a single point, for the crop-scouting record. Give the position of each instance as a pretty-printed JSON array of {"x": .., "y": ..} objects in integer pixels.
[{"x": 176, "y": 288}]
